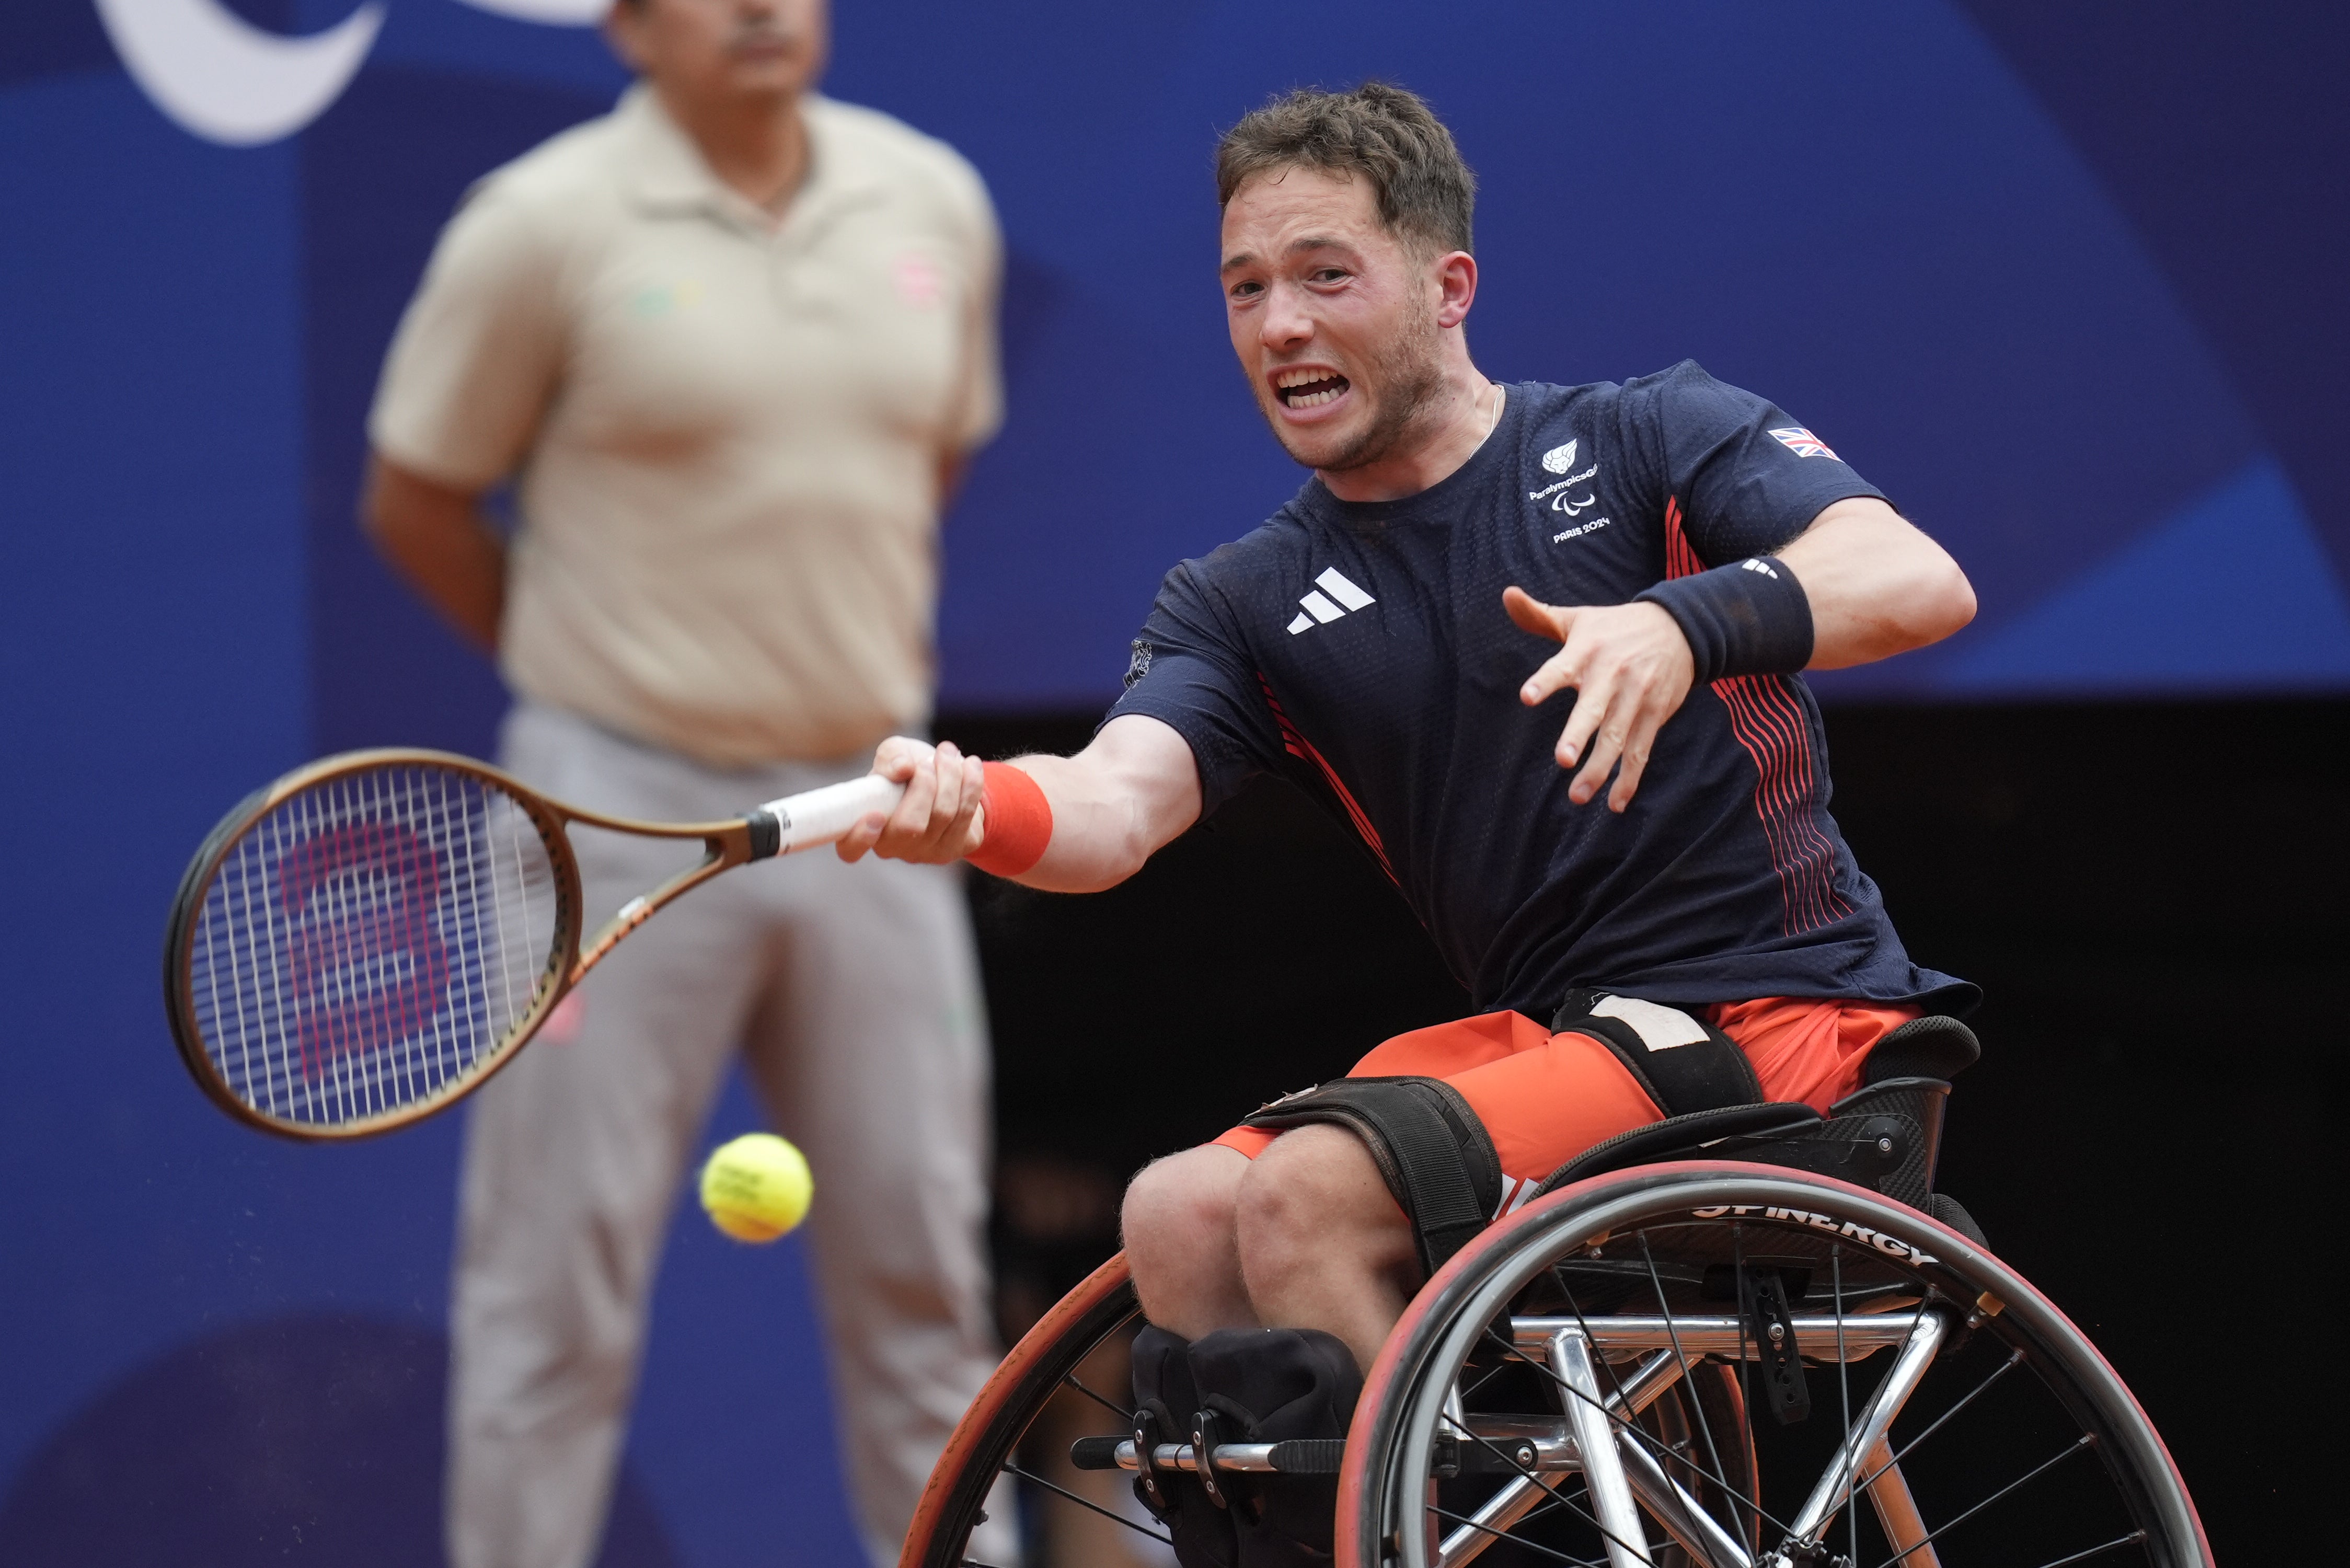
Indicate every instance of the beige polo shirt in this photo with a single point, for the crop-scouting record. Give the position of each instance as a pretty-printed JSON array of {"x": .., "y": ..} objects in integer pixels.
[{"x": 726, "y": 431}]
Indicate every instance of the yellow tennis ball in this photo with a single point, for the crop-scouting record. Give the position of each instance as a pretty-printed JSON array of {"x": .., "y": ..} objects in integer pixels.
[{"x": 757, "y": 1188}]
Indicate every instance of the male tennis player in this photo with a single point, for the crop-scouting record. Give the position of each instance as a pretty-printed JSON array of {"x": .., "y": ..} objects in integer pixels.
[{"x": 1671, "y": 549}]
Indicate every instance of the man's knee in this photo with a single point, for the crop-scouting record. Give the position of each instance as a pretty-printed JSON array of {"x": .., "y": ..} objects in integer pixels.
[
  {"x": 1184, "y": 1201},
  {"x": 1316, "y": 1188}
]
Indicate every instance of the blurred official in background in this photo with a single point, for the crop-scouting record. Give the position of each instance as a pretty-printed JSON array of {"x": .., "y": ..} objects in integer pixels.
[{"x": 732, "y": 343}]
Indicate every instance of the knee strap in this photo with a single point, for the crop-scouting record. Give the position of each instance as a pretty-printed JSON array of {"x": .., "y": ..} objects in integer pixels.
[
  {"x": 1435, "y": 1155},
  {"x": 1683, "y": 1062}
]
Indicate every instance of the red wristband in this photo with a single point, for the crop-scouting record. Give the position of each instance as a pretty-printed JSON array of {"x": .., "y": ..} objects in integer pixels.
[{"x": 1019, "y": 822}]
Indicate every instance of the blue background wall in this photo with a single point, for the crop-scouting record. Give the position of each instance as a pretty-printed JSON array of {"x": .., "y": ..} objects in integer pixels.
[{"x": 2066, "y": 286}]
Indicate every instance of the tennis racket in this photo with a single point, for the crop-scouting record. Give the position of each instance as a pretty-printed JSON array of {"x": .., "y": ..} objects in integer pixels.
[{"x": 365, "y": 941}]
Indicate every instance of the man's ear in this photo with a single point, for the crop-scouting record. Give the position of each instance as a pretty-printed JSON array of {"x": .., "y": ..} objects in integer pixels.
[{"x": 1456, "y": 282}]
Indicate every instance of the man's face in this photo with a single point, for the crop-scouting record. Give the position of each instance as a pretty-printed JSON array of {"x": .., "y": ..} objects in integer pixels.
[
  {"x": 1333, "y": 319},
  {"x": 711, "y": 51}
]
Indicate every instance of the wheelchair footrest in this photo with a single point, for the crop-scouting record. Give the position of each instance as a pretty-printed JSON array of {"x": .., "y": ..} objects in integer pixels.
[{"x": 1297, "y": 1457}]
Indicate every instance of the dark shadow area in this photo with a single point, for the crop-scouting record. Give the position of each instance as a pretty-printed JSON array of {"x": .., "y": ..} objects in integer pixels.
[
  {"x": 2150, "y": 895},
  {"x": 310, "y": 1439}
]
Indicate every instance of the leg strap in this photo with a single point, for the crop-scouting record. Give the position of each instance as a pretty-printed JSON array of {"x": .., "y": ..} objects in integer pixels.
[
  {"x": 1683, "y": 1062},
  {"x": 1434, "y": 1153}
]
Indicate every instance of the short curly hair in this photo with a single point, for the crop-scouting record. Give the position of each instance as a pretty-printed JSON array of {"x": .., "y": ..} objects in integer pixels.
[{"x": 1426, "y": 192}]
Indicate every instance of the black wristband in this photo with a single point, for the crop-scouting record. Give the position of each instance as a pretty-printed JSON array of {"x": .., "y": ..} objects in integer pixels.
[{"x": 1751, "y": 618}]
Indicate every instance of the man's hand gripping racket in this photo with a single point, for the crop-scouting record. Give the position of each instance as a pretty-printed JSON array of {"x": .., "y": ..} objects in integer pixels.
[{"x": 365, "y": 941}]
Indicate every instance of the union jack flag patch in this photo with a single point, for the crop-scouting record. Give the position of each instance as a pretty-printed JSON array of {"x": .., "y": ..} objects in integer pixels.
[{"x": 1804, "y": 443}]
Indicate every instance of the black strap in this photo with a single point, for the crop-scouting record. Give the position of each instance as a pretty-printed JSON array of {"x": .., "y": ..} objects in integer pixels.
[
  {"x": 1682, "y": 1077},
  {"x": 1433, "y": 1152}
]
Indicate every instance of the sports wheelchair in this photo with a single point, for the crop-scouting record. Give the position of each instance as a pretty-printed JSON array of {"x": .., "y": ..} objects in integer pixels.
[{"x": 1692, "y": 1349}]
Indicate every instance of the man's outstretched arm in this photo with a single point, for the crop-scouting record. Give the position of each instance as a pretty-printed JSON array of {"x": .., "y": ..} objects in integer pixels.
[
  {"x": 1875, "y": 585},
  {"x": 1113, "y": 805}
]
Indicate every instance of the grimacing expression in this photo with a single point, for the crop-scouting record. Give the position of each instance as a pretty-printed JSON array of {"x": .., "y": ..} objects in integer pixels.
[
  {"x": 1333, "y": 317},
  {"x": 711, "y": 50}
]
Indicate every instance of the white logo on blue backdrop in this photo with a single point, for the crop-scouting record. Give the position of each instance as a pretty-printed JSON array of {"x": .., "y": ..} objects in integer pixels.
[{"x": 219, "y": 77}]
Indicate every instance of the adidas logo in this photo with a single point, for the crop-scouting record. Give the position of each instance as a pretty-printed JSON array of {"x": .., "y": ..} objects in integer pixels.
[{"x": 1331, "y": 584}]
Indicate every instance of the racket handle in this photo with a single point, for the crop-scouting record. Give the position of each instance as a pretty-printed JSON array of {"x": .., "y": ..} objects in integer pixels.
[{"x": 819, "y": 816}]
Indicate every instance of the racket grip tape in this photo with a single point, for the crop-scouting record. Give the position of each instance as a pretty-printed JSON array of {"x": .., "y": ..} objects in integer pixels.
[{"x": 819, "y": 816}]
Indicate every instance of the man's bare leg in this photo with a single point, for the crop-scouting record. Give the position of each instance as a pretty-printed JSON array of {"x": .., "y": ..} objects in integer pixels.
[
  {"x": 1178, "y": 1224},
  {"x": 1322, "y": 1244}
]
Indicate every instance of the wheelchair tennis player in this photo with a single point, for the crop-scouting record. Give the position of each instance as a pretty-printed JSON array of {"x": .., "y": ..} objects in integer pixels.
[{"x": 1652, "y": 908}]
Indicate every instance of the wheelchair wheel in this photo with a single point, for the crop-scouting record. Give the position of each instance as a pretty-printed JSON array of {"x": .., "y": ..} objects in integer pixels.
[
  {"x": 1703, "y": 1363},
  {"x": 1066, "y": 1379}
]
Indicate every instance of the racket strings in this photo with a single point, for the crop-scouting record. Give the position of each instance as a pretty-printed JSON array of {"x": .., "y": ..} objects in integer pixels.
[{"x": 372, "y": 941}]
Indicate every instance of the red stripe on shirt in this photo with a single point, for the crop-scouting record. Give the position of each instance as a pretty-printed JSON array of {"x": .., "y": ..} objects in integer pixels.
[
  {"x": 1819, "y": 855},
  {"x": 1770, "y": 727},
  {"x": 1769, "y": 723},
  {"x": 1297, "y": 745},
  {"x": 1680, "y": 560}
]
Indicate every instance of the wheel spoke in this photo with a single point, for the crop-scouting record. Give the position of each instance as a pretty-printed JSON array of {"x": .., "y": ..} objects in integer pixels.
[
  {"x": 1666, "y": 1312},
  {"x": 1637, "y": 1435},
  {"x": 1515, "y": 1541},
  {"x": 1491, "y": 1374},
  {"x": 1123, "y": 1414},
  {"x": 2045, "y": 1465},
  {"x": 1592, "y": 1519},
  {"x": 2134, "y": 1537},
  {"x": 1013, "y": 1470},
  {"x": 1738, "y": 1300},
  {"x": 1853, "y": 1457},
  {"x": 1576, "y": 1308},
  {"x": 1577, "y": 1362},
  {"x": 1834, "y": 1488},
  {"x": 2001, "y": 1370},
  {"x": 1515, "y": 1503}
]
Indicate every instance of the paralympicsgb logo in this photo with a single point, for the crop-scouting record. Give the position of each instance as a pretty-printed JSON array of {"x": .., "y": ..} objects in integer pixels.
[{"x": 1560, "y": 460}]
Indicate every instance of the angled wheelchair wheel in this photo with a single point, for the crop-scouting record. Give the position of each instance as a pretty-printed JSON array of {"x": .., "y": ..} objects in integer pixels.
[
  {"x": 1705, "y": 1363},
  {"x": 1065, "y": 1384}
]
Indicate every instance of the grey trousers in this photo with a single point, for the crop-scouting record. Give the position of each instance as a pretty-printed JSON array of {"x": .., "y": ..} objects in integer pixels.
[{"x": 853, "y": 993}]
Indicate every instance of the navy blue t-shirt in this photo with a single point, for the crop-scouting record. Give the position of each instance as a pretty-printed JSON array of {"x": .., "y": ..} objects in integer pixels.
[{"x": 1360, "y": 649}]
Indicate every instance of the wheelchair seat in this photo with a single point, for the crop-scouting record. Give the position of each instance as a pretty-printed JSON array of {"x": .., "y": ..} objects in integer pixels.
[{"x": 1886, "y": 1136}]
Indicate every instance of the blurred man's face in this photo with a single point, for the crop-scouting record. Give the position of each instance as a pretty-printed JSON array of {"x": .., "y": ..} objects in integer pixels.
[
  {"x": 713, "y": 51},
  {"x": 1333, "y": 319}
]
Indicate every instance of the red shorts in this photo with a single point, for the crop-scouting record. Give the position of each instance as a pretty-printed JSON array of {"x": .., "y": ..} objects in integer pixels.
[{"x": 1544, "y": 1098}]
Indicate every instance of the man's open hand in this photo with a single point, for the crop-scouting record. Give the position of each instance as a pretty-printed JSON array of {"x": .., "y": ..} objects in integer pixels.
[
  {"x": 1630, "y": 667},
  {"x": 938, "y": 819}
]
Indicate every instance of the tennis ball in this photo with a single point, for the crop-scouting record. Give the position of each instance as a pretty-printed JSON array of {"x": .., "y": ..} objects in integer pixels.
[{"x": 757, "y": 1188}]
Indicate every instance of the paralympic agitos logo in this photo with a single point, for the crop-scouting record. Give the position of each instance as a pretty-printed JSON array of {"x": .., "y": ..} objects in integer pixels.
[{"x": 219, "y": 77}]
